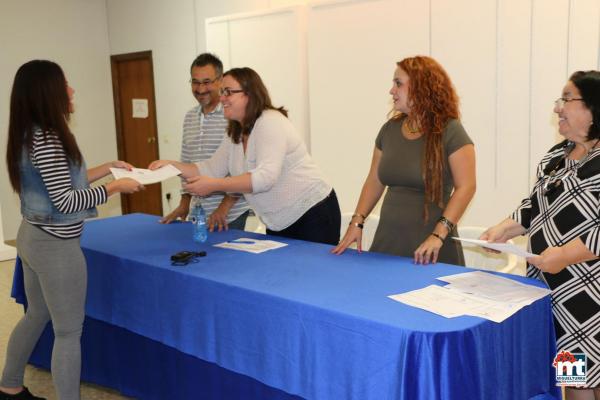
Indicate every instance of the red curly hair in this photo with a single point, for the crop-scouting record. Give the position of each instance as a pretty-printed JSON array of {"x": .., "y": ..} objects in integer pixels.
[{"x": 433, "y": 102}]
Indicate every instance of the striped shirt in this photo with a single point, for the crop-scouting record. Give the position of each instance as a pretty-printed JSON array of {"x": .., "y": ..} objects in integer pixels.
[
  {"x": 202, "y": 136},
  {"x": 49, "y": 157}
]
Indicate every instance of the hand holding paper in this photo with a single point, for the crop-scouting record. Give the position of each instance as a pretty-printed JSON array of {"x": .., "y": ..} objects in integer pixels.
[
  {"x": 503, "y": 247},
  {"x": 146, "y": 176},
  {"x": 121, "y": 164}
]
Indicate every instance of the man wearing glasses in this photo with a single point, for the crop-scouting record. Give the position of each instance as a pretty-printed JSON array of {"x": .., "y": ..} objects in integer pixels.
[{"x": 204, "y": 129}]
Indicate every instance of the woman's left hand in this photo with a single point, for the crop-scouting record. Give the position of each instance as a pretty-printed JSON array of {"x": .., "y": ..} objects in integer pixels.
[
  {"x": 551, "y": 260},
  {"x": 428, "y": 250},
  {"x": 199, "y": 185},
  {"x": 121, "y": 164}
]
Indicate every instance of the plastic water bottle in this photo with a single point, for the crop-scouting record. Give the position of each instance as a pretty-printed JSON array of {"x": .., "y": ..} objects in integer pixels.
[{"x": 198, "y": 218}]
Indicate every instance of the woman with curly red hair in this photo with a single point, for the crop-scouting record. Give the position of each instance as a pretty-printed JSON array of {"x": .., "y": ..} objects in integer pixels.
[{"x": 427, "y": 161}]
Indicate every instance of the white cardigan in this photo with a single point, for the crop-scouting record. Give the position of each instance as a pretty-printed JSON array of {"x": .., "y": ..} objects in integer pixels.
[{"x": 286, "y": 182}]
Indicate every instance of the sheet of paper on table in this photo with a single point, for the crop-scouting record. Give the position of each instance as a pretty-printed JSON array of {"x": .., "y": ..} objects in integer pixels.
[
  {"x": 502, "y": 247},
  {"x": 251, "y": 245},
  {"x": 146, "y": 176},
  {"x": 478, "y": 294},
  {"x": 494, "y": 287}
]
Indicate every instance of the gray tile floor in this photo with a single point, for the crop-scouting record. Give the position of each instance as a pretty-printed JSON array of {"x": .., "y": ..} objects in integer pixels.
[{"x": 39, "y": 381}]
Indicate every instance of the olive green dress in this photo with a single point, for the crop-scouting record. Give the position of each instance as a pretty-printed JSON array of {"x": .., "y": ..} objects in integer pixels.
[{"x": 402, "y": 227}]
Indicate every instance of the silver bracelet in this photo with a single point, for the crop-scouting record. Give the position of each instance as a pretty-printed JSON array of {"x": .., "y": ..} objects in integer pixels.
[{"x": 447, "y": 223}]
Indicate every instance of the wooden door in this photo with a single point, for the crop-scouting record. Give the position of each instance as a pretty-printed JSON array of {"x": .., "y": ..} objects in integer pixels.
[{"x": 135, "y": 115}]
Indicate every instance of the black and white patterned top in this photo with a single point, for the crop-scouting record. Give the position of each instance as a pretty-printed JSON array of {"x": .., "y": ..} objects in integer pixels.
[
  {"x": 563, "y": 206},
  {"x": 48, "y": 156}
]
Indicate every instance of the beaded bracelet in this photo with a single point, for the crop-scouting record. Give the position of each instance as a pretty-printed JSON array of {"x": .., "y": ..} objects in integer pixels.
[
  {"x": 437, "y": 236},
  {"x": 357, "y": 224},
  {"x": 447, "y": 223},
  {"x": 359, "y": 215}
]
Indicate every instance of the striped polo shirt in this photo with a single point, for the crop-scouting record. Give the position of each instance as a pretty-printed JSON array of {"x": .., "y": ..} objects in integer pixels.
[{"x": 202, "y": 135}]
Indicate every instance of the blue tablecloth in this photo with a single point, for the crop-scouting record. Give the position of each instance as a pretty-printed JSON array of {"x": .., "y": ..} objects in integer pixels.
[{"x": 309, "y": 323}]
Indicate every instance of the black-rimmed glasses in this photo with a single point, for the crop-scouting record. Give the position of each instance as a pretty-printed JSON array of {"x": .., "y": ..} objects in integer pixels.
[
  {"x": 226, "y": 92},
  {"x": 205, "y": 82},
  {"x": 561, "y": 101}
]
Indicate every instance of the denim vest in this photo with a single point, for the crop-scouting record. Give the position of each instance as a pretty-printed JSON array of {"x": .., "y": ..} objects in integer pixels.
[{"x": 36, "y": 205}]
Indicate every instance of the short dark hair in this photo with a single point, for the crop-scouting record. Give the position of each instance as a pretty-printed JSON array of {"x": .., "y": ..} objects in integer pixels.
[
  {"x": 208, "y": 59},
  {"x": 258, "y": 101},
  {"x": 588, "y": 84}
]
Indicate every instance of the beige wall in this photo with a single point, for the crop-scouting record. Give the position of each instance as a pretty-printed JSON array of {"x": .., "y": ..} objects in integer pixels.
[
  {"x": 81, "y": 35},
  {"x": 508, "y": 58},
  {"x": 74, "y": 34}
]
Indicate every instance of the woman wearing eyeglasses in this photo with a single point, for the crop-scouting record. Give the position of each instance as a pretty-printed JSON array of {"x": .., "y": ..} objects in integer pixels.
[
  {"x": 267, "y": 161},
  {"x": 426, "y": 160},
  {"x": 562, "y": 218}
]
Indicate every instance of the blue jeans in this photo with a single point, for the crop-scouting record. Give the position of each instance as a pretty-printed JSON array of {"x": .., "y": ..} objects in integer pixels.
[{"x": 320, "y": 224}]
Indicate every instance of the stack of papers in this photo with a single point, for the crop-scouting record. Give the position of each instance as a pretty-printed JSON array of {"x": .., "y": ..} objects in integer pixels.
[
  {"x": 478, "y": 293},
  {"x": 146, "y": 176},
  {"x": 251, "y": 245}
]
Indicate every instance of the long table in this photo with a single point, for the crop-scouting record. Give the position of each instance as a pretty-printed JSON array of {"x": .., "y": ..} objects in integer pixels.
[{"x": 296, "y": 322}]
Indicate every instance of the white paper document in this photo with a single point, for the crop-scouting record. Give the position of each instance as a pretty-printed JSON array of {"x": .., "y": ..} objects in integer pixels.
[
  {"x": 251, "y": 245},
  {"x": 478, "y": 293},
  {"x": 146, "y": 176},
  {"x": 451, "y": 303},
  {"x": 494, "y": 287},
  {"x": 503, "y": 247}
]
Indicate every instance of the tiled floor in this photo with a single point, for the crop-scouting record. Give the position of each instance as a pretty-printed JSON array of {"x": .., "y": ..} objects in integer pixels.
[{"x": 39, "y": 381}]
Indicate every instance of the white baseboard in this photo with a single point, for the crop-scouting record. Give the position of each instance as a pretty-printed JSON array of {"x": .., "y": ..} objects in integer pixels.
[{"x": 7, "y": 252}]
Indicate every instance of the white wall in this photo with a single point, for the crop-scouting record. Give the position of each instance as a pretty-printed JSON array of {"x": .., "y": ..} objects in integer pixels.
[
  {"x": 273, "y": 43},
  {"x": 175, "y": 33},
  {"x": 508, "y": 59},
  {"x": 353, "y": 47},
  {"x": 72, "y": 33},
  {"x": 168, "y": 30},
  {"x": 81, "y": 35}
]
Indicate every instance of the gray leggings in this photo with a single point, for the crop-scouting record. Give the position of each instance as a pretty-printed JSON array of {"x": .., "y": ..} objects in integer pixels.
[{"x": 55, "y": 283}]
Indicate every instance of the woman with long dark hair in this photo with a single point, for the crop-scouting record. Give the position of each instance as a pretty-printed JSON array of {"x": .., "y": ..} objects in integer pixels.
[
  {"x": 427, "y": 162},
  {"x": 267, "y": 161},
  {"x": 48, "y": 172}
]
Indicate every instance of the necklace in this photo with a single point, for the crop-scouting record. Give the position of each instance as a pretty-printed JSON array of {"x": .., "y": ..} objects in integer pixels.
[
  {"x": 554, "y": 166},
  {"x": 409, "y": 129}
]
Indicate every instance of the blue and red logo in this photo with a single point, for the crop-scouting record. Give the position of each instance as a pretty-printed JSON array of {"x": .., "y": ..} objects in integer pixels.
[{"x": 571, "y": 368}]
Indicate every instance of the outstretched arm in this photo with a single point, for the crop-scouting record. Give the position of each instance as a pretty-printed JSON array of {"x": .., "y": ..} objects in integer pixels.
[
  {"x": 188, "y": 170},
  {"x": 369, "y": 196},
  {"x": 103, "y": 170},
  {"x": 203, "y": 185}
]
